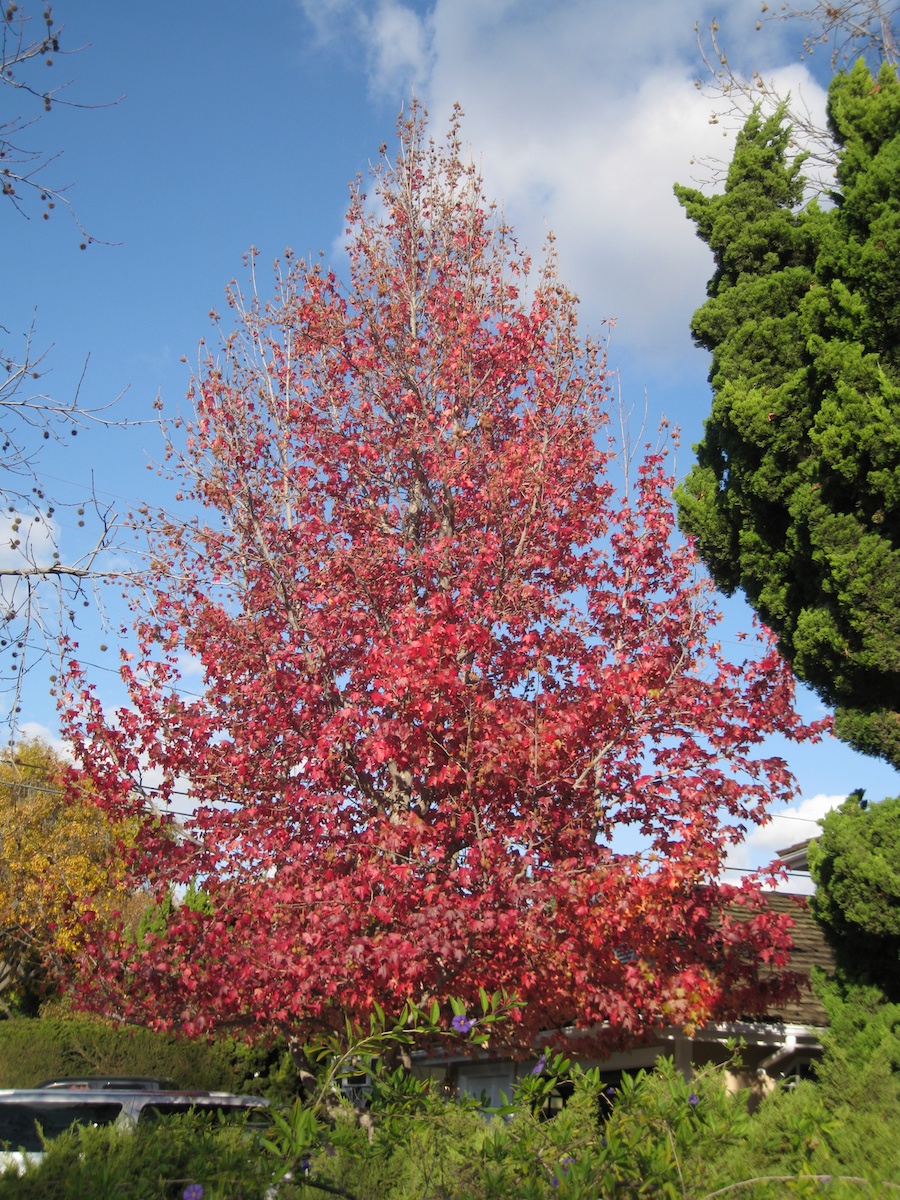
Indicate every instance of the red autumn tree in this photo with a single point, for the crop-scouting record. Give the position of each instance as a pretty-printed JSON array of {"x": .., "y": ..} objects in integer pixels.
[{"x": 461, "y": 723}]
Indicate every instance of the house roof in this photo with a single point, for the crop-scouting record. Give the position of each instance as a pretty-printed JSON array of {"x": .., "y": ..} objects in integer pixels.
[{"x": 795, "y": 857}]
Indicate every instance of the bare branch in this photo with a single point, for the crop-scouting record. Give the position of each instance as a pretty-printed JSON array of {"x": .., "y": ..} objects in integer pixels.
[
  {"x": 29, "y": 44},
  {"x": 862, "y": 28},
  {"x": 40, "y": 592}
]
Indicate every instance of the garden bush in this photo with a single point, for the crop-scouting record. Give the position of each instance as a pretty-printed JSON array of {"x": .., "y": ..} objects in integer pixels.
[{"x": 656, "y": 1135}]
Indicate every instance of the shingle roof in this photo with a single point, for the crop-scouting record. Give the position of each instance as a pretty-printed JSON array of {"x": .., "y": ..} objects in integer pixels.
[{"x": 810, "y": 950}]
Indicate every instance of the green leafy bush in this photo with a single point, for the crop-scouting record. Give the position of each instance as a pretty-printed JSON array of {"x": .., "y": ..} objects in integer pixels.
[{"x": 655, "y": 1136}]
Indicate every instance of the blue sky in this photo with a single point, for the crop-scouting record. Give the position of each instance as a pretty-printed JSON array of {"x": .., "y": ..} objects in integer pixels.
[{"x": 242, "y": 125}]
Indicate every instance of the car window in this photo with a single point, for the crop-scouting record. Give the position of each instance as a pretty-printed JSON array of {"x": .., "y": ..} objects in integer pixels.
[
  {"x": 19, "y": 1122},
  {"x": 238, "y": 1114}
]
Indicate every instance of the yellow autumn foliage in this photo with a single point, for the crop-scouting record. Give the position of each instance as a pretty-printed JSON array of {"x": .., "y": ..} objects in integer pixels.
[{"x": 58, "y": 858}]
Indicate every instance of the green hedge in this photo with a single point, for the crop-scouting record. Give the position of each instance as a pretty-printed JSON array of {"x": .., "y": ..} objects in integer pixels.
[{"x": 34, "y": 1050}]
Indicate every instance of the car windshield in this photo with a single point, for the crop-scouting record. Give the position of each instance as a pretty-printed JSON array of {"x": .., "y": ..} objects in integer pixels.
[{"x": 20, "y": 1124}]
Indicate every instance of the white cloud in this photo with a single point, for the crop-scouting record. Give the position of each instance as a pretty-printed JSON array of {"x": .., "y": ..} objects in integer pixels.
[
  {"x": 394, "y": 37},
  {"x": 189, "y": 666},
  {"x": 789, "y": 825},
  {"x": 26, "y": 542},
  {"x": 33, "y": 729},
  {"x": 398, "y": 43},
  {"x": 583, "y": 116},
  {"x": 329, "y": 18}
]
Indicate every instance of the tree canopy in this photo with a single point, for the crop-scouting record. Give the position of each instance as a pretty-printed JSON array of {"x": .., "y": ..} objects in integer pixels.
[
  {"x": 856, "y": 868},
  {"x": 795, "y": 498},
  {"x": 460, "y": 721},
  {"x": 58, "y": 860}
]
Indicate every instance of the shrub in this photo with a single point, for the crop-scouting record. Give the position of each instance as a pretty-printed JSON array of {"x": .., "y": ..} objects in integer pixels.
[{"x": 656, "y": 1136}]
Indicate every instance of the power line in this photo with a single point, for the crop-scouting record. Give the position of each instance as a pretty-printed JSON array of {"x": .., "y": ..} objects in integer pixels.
[
  {"x": 756, "y": 871},
  {"x": 150, "y": 789}
]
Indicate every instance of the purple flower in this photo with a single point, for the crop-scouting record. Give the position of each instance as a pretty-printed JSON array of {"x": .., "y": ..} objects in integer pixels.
[
  {"x": 539, "y": 1065},
  {"x": 193, "y": 1191},
  {"x": 463, "y": 1024},
  {"x": 565, "y": 1170},
  {"x": 693, "y": 1099},
  {"x": 304, "y": 1164}
]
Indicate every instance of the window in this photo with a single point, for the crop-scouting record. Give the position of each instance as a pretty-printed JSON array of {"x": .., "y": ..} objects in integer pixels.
[
  {"x": 235, "y": 1114},
  {"x": 19, "y": 1122}
]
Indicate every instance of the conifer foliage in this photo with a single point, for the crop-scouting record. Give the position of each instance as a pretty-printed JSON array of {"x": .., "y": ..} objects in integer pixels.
[
  {"x": 461, "y": 723},
  {"x": 795, "y": 496},
  {"x": 855, "y": 865}
]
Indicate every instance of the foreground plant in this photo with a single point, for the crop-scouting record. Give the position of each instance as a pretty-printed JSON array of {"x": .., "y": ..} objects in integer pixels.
[
  {"x": 654, "y": 1135},
  {"x": 460, "y": 720},
  {"x": 381, "y": 1054}
]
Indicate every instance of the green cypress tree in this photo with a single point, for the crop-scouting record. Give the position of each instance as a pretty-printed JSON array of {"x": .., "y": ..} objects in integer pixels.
[
  {"x": 856, "y": 868},
  {"x": 795, "y": 498}
]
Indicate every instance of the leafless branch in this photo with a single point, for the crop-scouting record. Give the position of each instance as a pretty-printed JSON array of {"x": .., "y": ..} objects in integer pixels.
[
  {"x": 860, "y": 28},
  {"x": 40, "y": 591},
  {"x": 29, "y": 45}
]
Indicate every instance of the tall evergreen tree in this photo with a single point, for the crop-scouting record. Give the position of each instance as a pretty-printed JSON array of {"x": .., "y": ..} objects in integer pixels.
[
  {"x": 856, "y": 868},
  {"x": 795, "y": 498}
]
